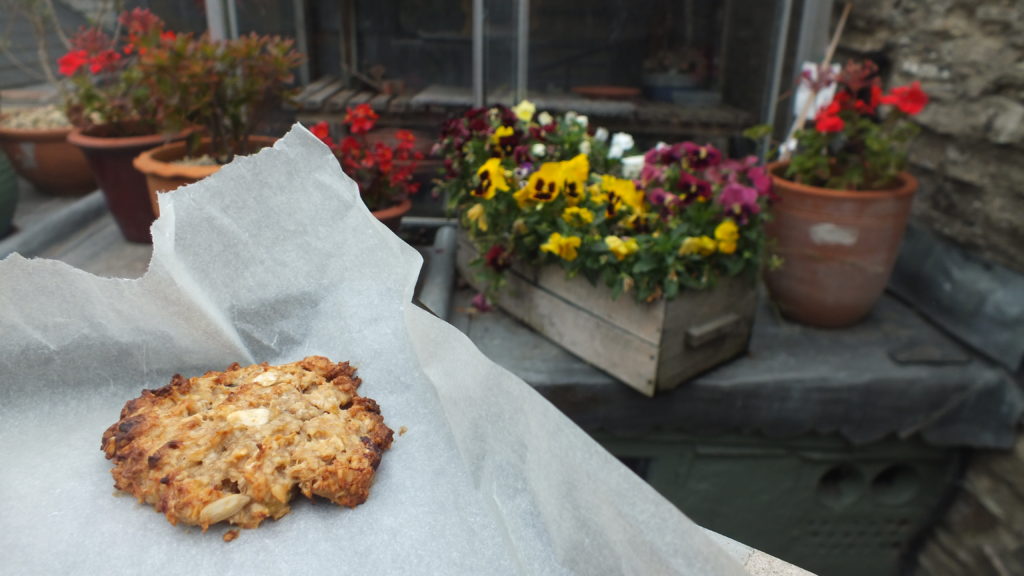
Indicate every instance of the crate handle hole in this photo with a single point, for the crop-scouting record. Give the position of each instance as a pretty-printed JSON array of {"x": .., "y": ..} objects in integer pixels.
[
  {"x": 896, "y": 484},
  {"x": 841, "y": 486}
]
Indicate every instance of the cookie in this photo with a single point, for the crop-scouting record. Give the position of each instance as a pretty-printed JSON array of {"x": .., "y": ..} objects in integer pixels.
[{"x": 237, "y": 445}]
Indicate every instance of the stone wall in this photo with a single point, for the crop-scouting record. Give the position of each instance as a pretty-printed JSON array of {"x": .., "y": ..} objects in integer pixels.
[
  {"x": 969, "y": 56},
  {"x": 983, "y": 531}
]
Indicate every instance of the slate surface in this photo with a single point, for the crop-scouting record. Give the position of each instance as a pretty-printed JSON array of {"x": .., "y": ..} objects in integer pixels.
[{"x": 893, "y": 375}]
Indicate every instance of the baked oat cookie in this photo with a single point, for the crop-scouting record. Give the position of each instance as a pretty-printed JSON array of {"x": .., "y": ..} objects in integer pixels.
[{"x": 235, "y": 445}]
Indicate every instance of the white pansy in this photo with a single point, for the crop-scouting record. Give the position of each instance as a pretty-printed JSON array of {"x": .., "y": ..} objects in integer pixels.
[
  {"x": 621, "y": 143},
  {"x": 570, "y": 117},
  {"x": 544, "y": 119},
  {"x": 631, "y": 167},
  {"x": 585, "y": 147},
  {"x": 601, "y": 134},
  {"x": 538, "y": 149},
  {"x": 582, "y": 120}
]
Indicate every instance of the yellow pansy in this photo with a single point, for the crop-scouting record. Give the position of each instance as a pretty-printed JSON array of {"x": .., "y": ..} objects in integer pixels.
[
  {"x": 542, "y": 186},
  {"x": 700, "y": 245},
  {"x": 727, "y": 234},
  {"x": 622, "y": 192},
  {"x": 621, "y": 247},
  {"x": 524, "y": 110},
  {"x": 554, "y": 178},
  {"x": 577, "y": 216},
  {"x": 562, "y": 246},
  {"x": 574, "y": 178},
  {"x": 502, "y": 132},
  {"x": 492, "y": 177},
  {"x": 597, "y": 194},
  {"x": 476, "y": 214}
]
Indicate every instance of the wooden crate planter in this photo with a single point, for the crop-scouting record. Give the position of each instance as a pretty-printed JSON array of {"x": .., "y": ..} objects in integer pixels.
[{"x": 650, "y": 347}]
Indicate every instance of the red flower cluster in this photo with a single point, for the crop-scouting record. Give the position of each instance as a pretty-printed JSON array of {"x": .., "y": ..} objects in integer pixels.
[
  {"x": 360, "y": 119},
  {"x": 93, "y": 48},
  {"x": 909, "y": 100},
  {"x": 384, "y": 173}
]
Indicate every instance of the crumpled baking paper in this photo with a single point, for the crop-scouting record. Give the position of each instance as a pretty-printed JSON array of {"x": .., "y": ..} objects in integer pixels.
[{"x": 272, "y": 259}]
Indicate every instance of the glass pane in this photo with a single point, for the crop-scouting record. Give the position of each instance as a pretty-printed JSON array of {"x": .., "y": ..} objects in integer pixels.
[
  {"x": 418, "y": 43},
  {"x": 662, "y": 50}
]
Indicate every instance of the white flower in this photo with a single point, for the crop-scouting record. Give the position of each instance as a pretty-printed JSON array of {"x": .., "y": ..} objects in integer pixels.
[
  {"x": 582, "y": 120},
  {"x": 585, "y": 147},
  {"x": 601, "y": 134},
  {"x": 631, "y": 167},
  {"x": 621, "y": 143},
  {"x": 570, "y": 117},
  {"x": 538, "y": 150},
  {"x": 544, "y": 119}
]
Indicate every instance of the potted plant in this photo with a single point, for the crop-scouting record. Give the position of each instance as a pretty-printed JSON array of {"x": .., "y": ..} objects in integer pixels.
[
  {"x": 384, "y": 172},
  {"x": 35, "y": 139},
  {"x": 544, "y": 202},
  {"x": 115, "y": 114},
  {"x": 226, "y": 87},
  {"x": 845, "y": 199}
]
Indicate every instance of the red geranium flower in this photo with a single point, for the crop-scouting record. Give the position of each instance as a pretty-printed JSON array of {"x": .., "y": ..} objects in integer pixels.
[
  {"x": 103, "y": 61},
  {"x": 829, "y": 124},
  {"x": 322, "y": 131},
  {"x": 72, "y": 61},
  {"x": 908, "y": 99},
  {"x": 828, "y": 119},
  {"x": 360, "y": 119}
]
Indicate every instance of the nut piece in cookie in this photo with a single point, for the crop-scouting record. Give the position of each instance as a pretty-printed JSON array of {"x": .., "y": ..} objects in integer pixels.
[{"x": 236, "y": 445}]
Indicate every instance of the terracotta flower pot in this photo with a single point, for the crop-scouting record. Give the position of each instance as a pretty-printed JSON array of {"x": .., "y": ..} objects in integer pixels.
[
  {"x": 48, "y": 161},
  {"x": 123, "y": 186},
  {"x": 8, "y": 196},
  {"x": 392, "y": 216},
  {"x": 838, "y": 248},
  {"x": 163, "y": 174}
]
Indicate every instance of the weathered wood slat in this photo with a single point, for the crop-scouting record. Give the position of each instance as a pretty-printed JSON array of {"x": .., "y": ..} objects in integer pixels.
[
  {"x": 339, "y": 101},
  {"x": 379, "y": 103},
  {"x": 361, "y": 98},
  {"x": 316, "y": 100},
  {"x": 310, "y": 89}
]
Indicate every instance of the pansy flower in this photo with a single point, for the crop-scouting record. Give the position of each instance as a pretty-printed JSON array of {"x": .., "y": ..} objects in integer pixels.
[
  {"x": 727, "y": 234},
  {"x": 565, "y": 247},
  {"x": 504, "y": 140},
  {"x": 478, "y": 216},
  {"x": 577, "y": 216},
  {"x": 698, "y": 245},
  {"x": 739, "y": 200},
  {"x": 492, "y": 177},
  {"x": 700, "y": 157},
  {"x": 621, "y": 248},
  {"x": 692, "y": 188},
  {"x": 621, "y": 192}
]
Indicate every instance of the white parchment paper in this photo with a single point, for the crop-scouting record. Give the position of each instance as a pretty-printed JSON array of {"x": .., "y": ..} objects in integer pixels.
[{"x": 272, "y": 259}]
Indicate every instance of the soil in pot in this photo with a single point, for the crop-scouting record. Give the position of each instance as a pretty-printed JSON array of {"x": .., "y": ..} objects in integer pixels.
[
  {"x": 167, "y": 168},
  {"x": 36, "y": 143},
  {"x": 838, "y": 248}
]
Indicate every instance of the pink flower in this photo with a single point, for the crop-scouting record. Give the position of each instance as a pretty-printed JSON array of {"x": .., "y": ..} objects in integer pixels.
[
  {"x": 480, "y": 303},
  {"x": 739, "y": 200},
  {"x": 701, "y": 157}
]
